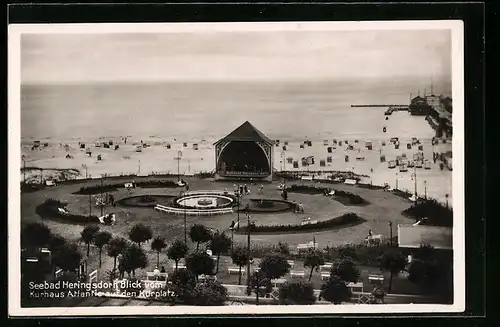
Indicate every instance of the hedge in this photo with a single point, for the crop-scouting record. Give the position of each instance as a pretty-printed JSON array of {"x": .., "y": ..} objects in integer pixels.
[
  {"x": 348, "y": 218},
  {"x": 30, "y": 187},
  {"x": 144, "y": 201},
  {"x": 49, "y": 209},
  {"x": 268, "y": 208},
  {"x": 436, "y": 213},
  {"x": 96, "y": 189},
  {"x": 347, "y": 198}
]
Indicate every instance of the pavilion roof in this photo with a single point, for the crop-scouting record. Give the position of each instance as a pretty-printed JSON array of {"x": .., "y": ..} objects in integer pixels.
[{"x": 246, "y": 132}]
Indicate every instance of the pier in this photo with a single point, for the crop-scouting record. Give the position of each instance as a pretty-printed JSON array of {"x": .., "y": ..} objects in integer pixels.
[{"x": 399, "y": 106}]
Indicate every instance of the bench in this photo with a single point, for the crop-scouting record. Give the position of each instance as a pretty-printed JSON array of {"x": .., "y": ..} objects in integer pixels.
[
  {"x": 179, "y": 266},
  {"x": 256, "y": 269},
  {"x": 235, "y": 270},
  {"x": 291, "y": 263},
  {"x": 202, "y": 278},
  {"x": 326, "y": 266},
  {"x": 297, "y": 273},
  {"x": 325, "y": 275}
]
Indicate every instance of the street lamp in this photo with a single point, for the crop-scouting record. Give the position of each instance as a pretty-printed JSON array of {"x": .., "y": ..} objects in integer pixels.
[
  {"x": 183, "y": 194},
  {"x": 86, "y": 170},
  {"x": 414, "y": 178},
  {"x": 178, "y": 158},
  {"x": 248, "y": 248},
  {"x": 425, "y": 190},
  {"x": 23, "y": 158},
  {"x": 390, "y": 232},
  {"x": 446, "y": 196},
  {"x": 102, "y": 200},
  {"x": 397, "y": 181}
]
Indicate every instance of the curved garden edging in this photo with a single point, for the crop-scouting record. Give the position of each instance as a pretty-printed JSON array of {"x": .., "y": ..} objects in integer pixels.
[
  {"x": 346, "y": 198},
  {"x": 50, "y": 210},
  {"x": 268, "y": 206},
  {"x": 144, "y": 201},
  {"x": 96, "y": 189},
  {"x": 348, "y": 219}
]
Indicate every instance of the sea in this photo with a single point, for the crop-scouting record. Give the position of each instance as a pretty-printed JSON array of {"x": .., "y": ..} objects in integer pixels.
[
  {"x": 168, "y": 113},
  {"x": 191, "y": 111}
]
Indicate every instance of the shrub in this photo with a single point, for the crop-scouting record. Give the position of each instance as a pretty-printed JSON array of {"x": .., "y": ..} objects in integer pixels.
[
  {"x": 95, "y": 189},
  {"x": 49, "y": 210},
  {"x": 436, "y": 213},
  {"x": 209, "y": 293},
  {"x": 204, "y": 174},
  {"x": 335, "y": 290},
  {"x": 140, "y": 233},
  {"x": 348, "y": 218},
  {"x": 296, "y": 292}
]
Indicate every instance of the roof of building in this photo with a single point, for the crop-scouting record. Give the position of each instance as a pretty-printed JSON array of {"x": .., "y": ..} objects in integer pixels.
[
  {"x": 410, "y": 236},
  {"x": 246, "y": 132}
]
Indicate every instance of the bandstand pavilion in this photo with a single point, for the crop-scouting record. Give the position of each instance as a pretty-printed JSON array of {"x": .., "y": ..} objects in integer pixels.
[{"x": 244, "y": 154}]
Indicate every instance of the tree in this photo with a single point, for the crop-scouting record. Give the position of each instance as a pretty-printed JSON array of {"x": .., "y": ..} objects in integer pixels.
[
  {"x": 425, "y": 273},
  {"x": 35, "y": 235},
  {"x": 56, "y": 241},
  {"x": 133, "y": 258},
  {"x": 116, "y": 247},
  {"x": 158, "y": 245},
  {"x": 219, "y": 244},
  {"x": 182, "y": 284},
  {"x": 394, "y": 262},
  {"x": 140, "y": 234},
  {"x": 67, "y": 257},
  {"x": 209, "y": 293},
  {"x": 283, "y": 248},
  {"x": 240, "y": 258},
  {"x": 258, "y": 281},
  {"x": 100, "y": 240},
  {"x": 313, "y": 260},
  {"x": 296, "y": 292},
  {"x": 177, "y": 251},
  {"x": 335, "y": 291},
  {"x": 199, "y": 234},
  {"x": 346, "y": 270},
  {"x": 274, "y": 266},
  {"x": 426, "y": 252},
  {"x": 347, "y": 251},
  {"x": 88, "y": 234},
  {"x": 200, "y": 263}
]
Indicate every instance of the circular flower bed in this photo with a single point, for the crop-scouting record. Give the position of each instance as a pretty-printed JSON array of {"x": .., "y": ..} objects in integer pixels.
[
  {"x": 348, "y": 219},
  {"x": 268, "y": 206},
  {"x": 146, "y": 200}
]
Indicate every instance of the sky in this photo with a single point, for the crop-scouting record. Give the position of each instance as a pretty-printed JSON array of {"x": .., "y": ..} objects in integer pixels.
[{"x": 233, "y": 56}]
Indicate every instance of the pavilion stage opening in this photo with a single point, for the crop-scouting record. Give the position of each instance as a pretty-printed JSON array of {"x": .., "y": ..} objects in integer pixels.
[{"x": 244, "y": 154}]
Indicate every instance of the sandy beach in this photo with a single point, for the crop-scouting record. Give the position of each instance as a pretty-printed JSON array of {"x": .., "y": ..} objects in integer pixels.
[{"x": 158, "y": 159}]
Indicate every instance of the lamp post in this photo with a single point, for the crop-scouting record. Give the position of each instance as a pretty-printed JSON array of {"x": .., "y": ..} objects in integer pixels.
[
  {"x": 139, "y": 167},
  {"x": 248, "y": 249},
  {"x": 397, "y": 181},
  {"x": 102, "y": 201},
  {"x": 178, "y": 158},
  {"x": 446, "y": 196},
  {"x": 86, "y": 170},
  {"x": 23, "y": 158},
  {"x": 390, "y": 232},
  {"x": 183, "y": 194},
  {"x": 425, "y": 190},
  {"x": 414, "y": 177},
  {"x": 238, "y": 209},
  {"x": 90, "y": 205}
]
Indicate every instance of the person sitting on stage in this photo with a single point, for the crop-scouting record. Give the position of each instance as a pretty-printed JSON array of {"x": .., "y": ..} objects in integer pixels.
[{"x": 163, "y": 270}]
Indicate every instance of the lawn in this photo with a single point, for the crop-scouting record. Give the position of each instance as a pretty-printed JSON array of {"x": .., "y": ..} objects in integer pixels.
[{"x": 382, "y": 208}]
